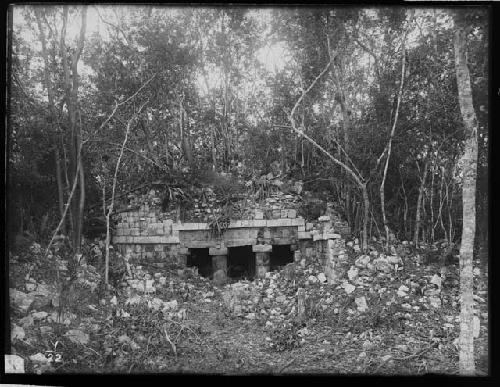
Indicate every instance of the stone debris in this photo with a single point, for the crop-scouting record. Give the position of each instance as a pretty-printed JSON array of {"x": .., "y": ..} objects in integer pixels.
[
  {"x": 39, "y": 358},
  {"x": 394, "y": 260},
  {"x": 361, "y": 304},
  {"x": 17, "y": 333},
  {"x": 436, "y": 280},
  {"x": 435, "y": 302},
  {"x": 77, "y": 336},
  {"x": 348, "y": 288},
  {"x": 170, "y": 305},
  {"x": 403, "y": 291},
  {"x": 381, "y": 264},
  {"x": 321, "y": 277},
  {"x": 362, "y": 261},
  {"x": 156, "y": 304},
  {"x": 39, "y": 315},
  {"x": 353, "y": 273},
  {"x": 21, "y": 300}
]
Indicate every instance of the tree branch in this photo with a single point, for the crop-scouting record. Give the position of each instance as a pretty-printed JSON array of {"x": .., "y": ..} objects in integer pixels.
[{"x": 117, "y": 105}]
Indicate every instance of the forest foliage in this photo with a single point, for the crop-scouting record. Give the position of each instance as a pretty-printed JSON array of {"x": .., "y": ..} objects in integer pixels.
[{"x": 200, "y": 99}]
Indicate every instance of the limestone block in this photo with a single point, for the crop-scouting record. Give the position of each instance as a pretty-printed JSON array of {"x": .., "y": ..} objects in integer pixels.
[
  {"x": 219, "y": 262},
  {"x": 220, "y": 277},
  {"x": 258, "y": 223},
  {"x": 260, "y": 271},
  {"x": 183, "y": 250},
  {"x": 119, "y": 239},
  {"x": 279, "y": 223},
  {"x": 297, "y": 256},
  {"x": 262, "y": 258},
  {"x": 262, "y": 248},
  {"x": 292, "y": 214},
  {"x": 331, "y": 236},
  {"x": 276, "y": 214},
  {"x": 182, "y": 259},
  {"x": 309, "y": 252},
  {"x": 235, "y": 223},
  {"x": 284, "y": 214},
  {"x": 217, "y": 251},
  {"x": 282, "y": 241},
  {"x": 253, "y": 233},
  {"x": 258, "y": 214},
  {"x": 240, "y": 234},
  {"x": 240, "y": 242},
  {"x": 158, "y": 247},
  {"x": 134, "y": 231},
  {"x": 304, "y": 235},
  {"x": 318, "y": 237},
  {"x": 301, "y": 228}
]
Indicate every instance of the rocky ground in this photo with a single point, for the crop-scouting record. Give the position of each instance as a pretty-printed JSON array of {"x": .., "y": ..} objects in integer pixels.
[{"x": 390, "y": 315}]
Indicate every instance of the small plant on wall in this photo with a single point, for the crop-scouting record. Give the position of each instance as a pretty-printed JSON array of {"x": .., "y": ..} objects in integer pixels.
[{"x": 220, "y": 221}]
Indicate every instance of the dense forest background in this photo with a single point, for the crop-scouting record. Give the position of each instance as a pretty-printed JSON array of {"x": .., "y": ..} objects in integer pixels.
[{"x": 201, "y": 93}]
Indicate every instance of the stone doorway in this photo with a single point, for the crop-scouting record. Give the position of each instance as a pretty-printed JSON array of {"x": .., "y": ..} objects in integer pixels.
[
  {"x": 280, "y": 256},
  {"x": 241, "y": 262},
  {"x": 200, "y": 259}
]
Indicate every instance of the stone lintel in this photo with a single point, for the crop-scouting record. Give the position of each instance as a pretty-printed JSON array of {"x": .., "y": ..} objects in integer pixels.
[
  {"x": 318, "y": 237},
  {"x": 259, "y": 223},
  {"x": 201, "y": 244},
  {"x": 217, "y": 251},
  {"x": 189, "y": 226},
  {"x": 279, "y": 222},
  {"x": 283, "y": 241},
  {"x": 298, "y": 222},
  {"x": 331, "y": 236},
  {"x": 240, "y": 242},
  {"x": 262, "y": 248}
]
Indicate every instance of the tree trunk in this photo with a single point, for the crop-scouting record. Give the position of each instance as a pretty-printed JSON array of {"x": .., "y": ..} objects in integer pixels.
[
  {"x": 366, "y": 206},
  {"x": 214, "y": 147},
  {"x": 60, "y": 194},
  {"x": 52, "y": 114},
  {"x": 71, "y": 91},
  {"x": 419, "y": 205},
  {"x": 469, "y": 159},
  {"x": 389, "y": 145}
]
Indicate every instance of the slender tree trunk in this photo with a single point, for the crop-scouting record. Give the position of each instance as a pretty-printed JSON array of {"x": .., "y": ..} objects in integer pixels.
[
  {"x": 71, "y": 91},
  {"x": 389, "y": 145},
  {"x": 419, "y": 205},
  {"x": 431, "y": 204},
  {"x": 214, "y": 147},
  {"x": 60, "y": 194},
  {"x": 366, "y": 214},
  {"x": 53, "y": 115},
  {"x": 469, "y": 159},
  {"x": 441, "y": 203}
]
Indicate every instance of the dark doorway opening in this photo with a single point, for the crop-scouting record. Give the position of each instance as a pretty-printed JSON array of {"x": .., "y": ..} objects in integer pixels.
[
  {"x": 280, "y": 256},
  {"x": 241, "y": 262},
  {"x": 200, "y": 259}
]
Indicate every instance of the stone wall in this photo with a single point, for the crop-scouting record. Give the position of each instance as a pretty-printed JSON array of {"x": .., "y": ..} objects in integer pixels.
[{"x": 147, "y": 234}]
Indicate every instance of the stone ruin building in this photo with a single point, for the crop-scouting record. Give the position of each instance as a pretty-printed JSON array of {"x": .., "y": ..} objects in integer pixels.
[{"x": 264, "y": 237}]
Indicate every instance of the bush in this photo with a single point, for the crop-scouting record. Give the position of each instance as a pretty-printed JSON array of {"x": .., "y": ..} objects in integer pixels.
[{"x": 286, "y": 337}]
